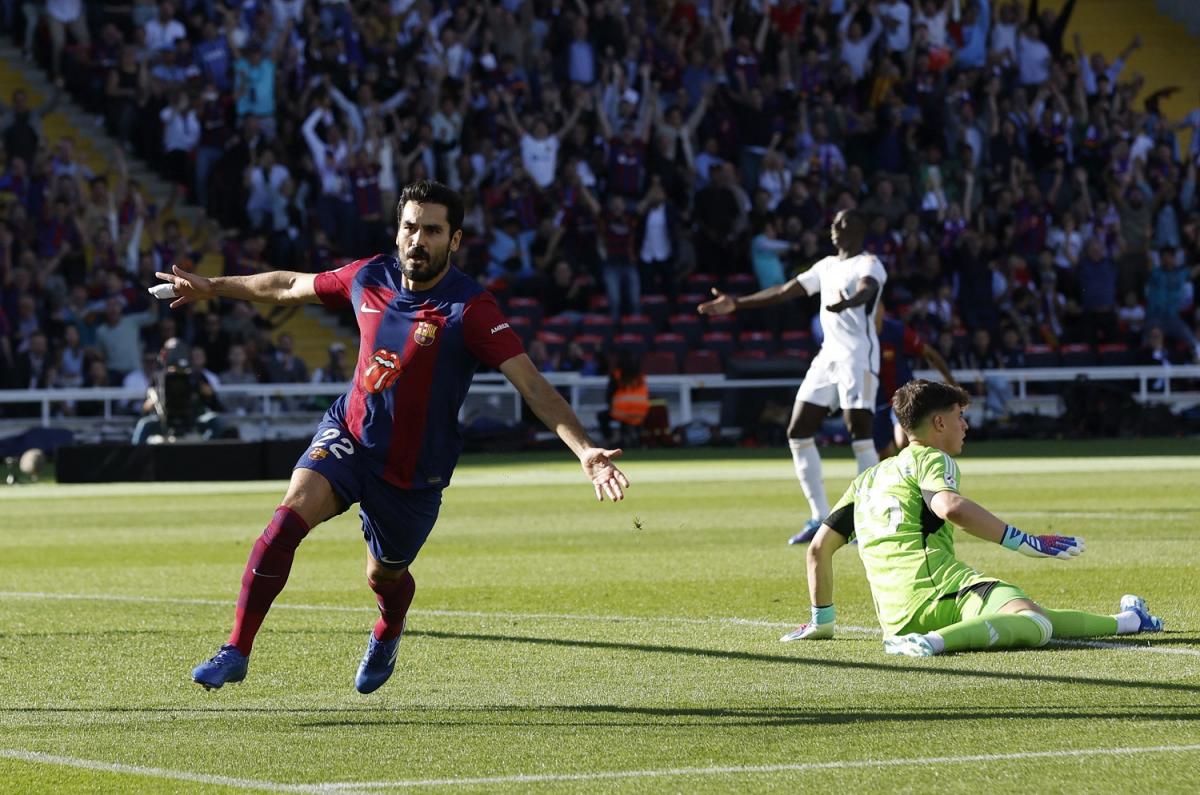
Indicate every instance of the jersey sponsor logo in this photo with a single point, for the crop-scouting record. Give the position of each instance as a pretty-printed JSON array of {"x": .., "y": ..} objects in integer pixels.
[
  {"x": 383, "y": 371},
  {"x": 424, "y": 333},
  {"x": 501, "y": 327},
  {"x": 369, "y": 310}
]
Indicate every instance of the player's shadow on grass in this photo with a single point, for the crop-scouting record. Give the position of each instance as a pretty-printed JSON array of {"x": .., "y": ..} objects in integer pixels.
[
  {"x": 689, "y": 651},
  {"x": 760, "y": 717}
]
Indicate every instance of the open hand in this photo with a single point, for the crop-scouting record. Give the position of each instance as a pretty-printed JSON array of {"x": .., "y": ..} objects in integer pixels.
[
  {"x": 721, "y": 304},
  {"x": 606, "y": 478},
  {"x": 189, "y": 286}
]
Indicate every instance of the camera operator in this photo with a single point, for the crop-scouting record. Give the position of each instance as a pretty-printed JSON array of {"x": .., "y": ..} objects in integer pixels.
[{"x": 182, "y": 400}]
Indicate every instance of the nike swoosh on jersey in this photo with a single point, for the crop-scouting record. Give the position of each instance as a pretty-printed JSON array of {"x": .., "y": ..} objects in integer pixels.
[
  {"x": 390, "y": 562},
  {"x": 369, "y": 310}
]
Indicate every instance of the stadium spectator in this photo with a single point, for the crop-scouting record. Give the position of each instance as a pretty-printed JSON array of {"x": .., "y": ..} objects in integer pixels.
[
  {"x": 61, "y": 16},
  {"x": 1165, "y": 291},
  {"x": 118, "y": 337}
]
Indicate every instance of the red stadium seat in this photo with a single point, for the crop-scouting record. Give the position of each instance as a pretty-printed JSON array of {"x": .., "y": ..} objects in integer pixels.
[
  {"x": 687, "y": 325},
  {"x": 660, "y": 363},
  {"x": 676, "y": 344},
  {"x": 1115, "y": 354},
  {"x": 637, "y": 324},
  {"x": 762, "y": 341},
  {"x": 1078, "y": 355},
  {"x": 702, "y": 362},
  {"x": 657, "y": 308},
  {"x": 719, "y": 341},
  {"x": 1041, "y": 356},
  {"x": 561, "y": 324}
]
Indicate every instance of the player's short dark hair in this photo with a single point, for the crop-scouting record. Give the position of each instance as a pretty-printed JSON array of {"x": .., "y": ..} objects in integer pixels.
[
  {"x": 427, "y": 191},
  {"x": 916, "y": 400}
]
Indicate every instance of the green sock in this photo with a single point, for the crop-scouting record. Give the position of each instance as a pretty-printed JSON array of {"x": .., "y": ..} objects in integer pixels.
[
  {"x": 997, "y": 631},
  {"x": 1077, "y": 624}
]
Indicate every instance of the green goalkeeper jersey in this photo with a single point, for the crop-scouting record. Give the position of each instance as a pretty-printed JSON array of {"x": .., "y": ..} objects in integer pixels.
[{"x": 907, "y": 551}]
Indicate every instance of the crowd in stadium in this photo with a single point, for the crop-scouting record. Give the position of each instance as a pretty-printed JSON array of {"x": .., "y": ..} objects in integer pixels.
[{"x": 1027, "y": 199}]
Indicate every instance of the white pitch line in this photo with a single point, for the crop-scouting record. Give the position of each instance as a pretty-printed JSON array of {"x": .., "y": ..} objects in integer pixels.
[
  {"x": 163, "y": 773},
  {"x": 579, "y": 617},
  {"x": 799, "y": 767}
]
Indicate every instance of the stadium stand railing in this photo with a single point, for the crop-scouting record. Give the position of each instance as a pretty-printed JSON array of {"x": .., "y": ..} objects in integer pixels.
[{"x": 586, "y": 394}]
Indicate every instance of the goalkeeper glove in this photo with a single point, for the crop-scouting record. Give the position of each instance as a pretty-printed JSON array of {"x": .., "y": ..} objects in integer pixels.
[
  {"x": 1041, "y": 546},
  {"x": 819, "y": 628}
]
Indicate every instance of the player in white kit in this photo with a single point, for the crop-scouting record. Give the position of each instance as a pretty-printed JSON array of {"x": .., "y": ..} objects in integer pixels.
[{"x": 845, "y": 373}]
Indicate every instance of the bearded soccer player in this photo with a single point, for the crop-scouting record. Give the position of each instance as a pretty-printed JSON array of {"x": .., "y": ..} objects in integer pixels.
[
  {"x": 903, "y": 512},
  {"x": 845, "y": 372},
  {"x": 390, "y": 444}
]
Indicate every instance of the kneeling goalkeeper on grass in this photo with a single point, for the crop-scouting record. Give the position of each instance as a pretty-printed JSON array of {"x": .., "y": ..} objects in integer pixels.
[{"x": 903, "y": 512}]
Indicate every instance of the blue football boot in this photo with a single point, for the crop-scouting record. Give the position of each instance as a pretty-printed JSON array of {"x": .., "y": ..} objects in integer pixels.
[
  {"x": 807, "y": 533},
  {"x": 377, "y": 664},
  {"x": 1137, "y": 604},
  {"x": 227, "y": 665}
]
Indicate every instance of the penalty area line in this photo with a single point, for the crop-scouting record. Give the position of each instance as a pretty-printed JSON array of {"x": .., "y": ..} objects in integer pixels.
[
  {"x": 36, "y": 757},
  {"x": 799, "y": 767},
  {"x": 570, "y": 617}
]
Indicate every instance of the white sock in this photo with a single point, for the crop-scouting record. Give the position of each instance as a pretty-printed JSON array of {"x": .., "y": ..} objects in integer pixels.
[
  {"x": 808, "y": 470},
  {"x": 864, "y": 453},
  {"x": 935, "y": 640},
  {"x": 1128, "y": 623}
]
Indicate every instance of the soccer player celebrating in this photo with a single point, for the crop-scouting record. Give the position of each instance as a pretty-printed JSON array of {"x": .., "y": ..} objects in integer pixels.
[
  {"x": 391, "y": 442},
  {"x": 927, "y": 600},
  {"x": 845, "y": 372}
]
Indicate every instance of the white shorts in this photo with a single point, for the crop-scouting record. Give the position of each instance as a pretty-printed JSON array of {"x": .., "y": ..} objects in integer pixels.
[{"x": 839, "y": 384}]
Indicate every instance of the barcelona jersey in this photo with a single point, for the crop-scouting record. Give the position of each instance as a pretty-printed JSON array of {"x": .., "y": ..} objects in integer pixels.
[{"x": 418, "y": 351}]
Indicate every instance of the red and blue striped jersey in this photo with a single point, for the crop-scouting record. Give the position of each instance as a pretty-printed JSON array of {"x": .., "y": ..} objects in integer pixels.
[{"x": 418, "y": 351}]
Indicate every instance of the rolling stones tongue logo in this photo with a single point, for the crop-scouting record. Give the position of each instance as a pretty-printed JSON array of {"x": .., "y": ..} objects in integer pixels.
[{"x": 383, "y": 371}]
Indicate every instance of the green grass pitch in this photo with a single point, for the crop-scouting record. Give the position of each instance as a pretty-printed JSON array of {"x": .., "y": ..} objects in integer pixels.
[{"x": 555, "y": 646}]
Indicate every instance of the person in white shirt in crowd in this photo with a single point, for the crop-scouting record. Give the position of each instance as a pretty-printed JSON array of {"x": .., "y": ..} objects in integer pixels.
[
  {"x": 856, "y": 46},
  {"x": 264, "y": 177},
  {"x": 539, "y": 150},
  {"x": 1095, "y": 67},
  {"x": 61, "y": 16},
  {"x": 163, "y": 31},
  {"x": 331, "y": 156},
  {"x": 932, "y": 14},
  {"x": 896, "y": 16},
  {"x": 1033, "y": 57},
  {"x": 658, "y": 255},
  {"x": 1004, "y": 34},
  {"x": 181, "y": 134}
]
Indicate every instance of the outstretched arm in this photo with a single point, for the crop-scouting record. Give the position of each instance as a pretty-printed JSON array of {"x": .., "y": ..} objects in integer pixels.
[
  {"x": 272, "y": 287},
  {"x": 981, "y": 523},
  {"x": 556, "y": 413},
  {"x": 724, "y": 304}
]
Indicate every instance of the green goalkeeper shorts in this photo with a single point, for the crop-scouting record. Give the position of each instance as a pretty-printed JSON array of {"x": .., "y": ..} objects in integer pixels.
[{"x": 972, "y": 601}]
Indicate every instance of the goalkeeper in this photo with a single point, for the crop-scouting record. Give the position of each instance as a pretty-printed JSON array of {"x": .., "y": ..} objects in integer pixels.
[{"x": 903, "y": 512}]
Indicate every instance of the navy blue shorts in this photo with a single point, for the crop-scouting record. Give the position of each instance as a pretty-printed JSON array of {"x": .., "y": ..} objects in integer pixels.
[
  {"x": 881, "y": 429},
  {"x": 395, "y": 521}
]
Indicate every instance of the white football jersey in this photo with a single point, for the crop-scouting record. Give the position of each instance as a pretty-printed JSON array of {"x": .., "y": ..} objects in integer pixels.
[{"x": 849, "y": 334}]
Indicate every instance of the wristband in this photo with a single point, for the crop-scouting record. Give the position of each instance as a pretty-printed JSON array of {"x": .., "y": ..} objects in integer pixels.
[
  {"x": 1012, "y": 538},
  {"x": 822, "y": 615}
]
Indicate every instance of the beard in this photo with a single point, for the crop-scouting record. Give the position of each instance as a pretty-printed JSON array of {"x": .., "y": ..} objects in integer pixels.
[{"x": 418, "y": 266}]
